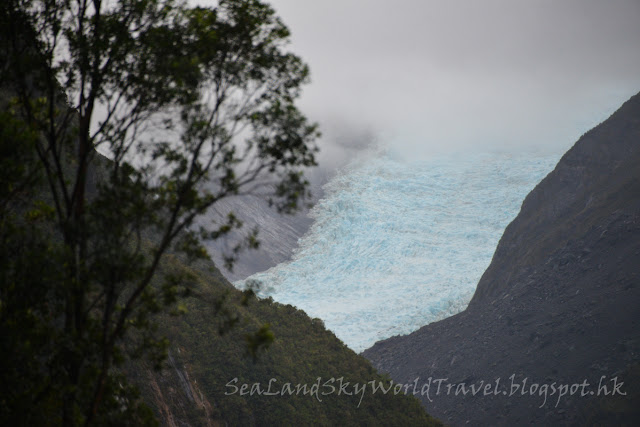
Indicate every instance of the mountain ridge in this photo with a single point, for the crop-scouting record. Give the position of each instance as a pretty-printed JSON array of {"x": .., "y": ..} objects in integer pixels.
[
  {"x": 587, "y": 161},
  {"x": 558, "y": 303}
]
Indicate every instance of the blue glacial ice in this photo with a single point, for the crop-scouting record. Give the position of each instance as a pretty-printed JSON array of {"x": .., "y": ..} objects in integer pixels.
[{"x": 396, "y": 245}]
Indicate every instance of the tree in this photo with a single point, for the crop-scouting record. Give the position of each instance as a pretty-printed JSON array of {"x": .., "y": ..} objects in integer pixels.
[{"x": 191, "y": 105}]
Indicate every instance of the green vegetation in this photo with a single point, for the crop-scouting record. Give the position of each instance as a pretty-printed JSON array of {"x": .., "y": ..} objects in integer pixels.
[{"x": 302, "y": 351}]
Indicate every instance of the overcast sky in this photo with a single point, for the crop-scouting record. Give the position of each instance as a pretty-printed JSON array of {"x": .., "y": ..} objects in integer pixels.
[{"x": 419, "y": 74}]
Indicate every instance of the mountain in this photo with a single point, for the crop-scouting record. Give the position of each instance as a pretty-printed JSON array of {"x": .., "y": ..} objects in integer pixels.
[
  {"x": 557, "y": 307},
  {"x": 201, "y": 382},
  {"x": 278, "y": 233}
]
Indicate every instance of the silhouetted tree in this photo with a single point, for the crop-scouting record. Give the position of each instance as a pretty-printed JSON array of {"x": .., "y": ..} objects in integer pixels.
[{"x": 190, "y": 105}]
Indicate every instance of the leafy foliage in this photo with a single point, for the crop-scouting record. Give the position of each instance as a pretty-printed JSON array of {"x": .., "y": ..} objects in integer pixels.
[{"x": 191, "y": 105}]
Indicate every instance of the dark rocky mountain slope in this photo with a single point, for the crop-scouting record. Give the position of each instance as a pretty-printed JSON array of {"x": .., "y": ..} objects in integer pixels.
[
  {"x": 558, "y": 305},
  {"x": 278, "y": 233}
]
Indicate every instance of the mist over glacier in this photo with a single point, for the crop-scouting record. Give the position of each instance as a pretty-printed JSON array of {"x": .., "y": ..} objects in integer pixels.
[
  {"x": 398, "y": 243},
  {"x": 463, "y": 93}
]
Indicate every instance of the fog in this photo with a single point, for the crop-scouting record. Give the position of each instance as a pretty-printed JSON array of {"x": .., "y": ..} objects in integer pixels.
[{"x": 422, "y": 75}]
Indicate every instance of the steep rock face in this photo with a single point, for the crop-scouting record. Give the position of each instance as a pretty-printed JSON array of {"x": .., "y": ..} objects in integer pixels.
[
  {"x": 558, "y": 304},
  {"x": 590, "y": 181},
  {"x": 278, "y": 234}
]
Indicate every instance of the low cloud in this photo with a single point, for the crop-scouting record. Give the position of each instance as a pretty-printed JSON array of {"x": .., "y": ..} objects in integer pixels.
[{"x": 432, "y": 75}]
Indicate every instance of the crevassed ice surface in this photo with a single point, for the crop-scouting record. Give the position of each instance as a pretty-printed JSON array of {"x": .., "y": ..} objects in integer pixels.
[{"x": 396, "y": 245}]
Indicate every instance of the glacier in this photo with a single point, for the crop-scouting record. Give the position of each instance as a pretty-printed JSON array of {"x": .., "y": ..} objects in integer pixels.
[{"x": 397, "y": 244}]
